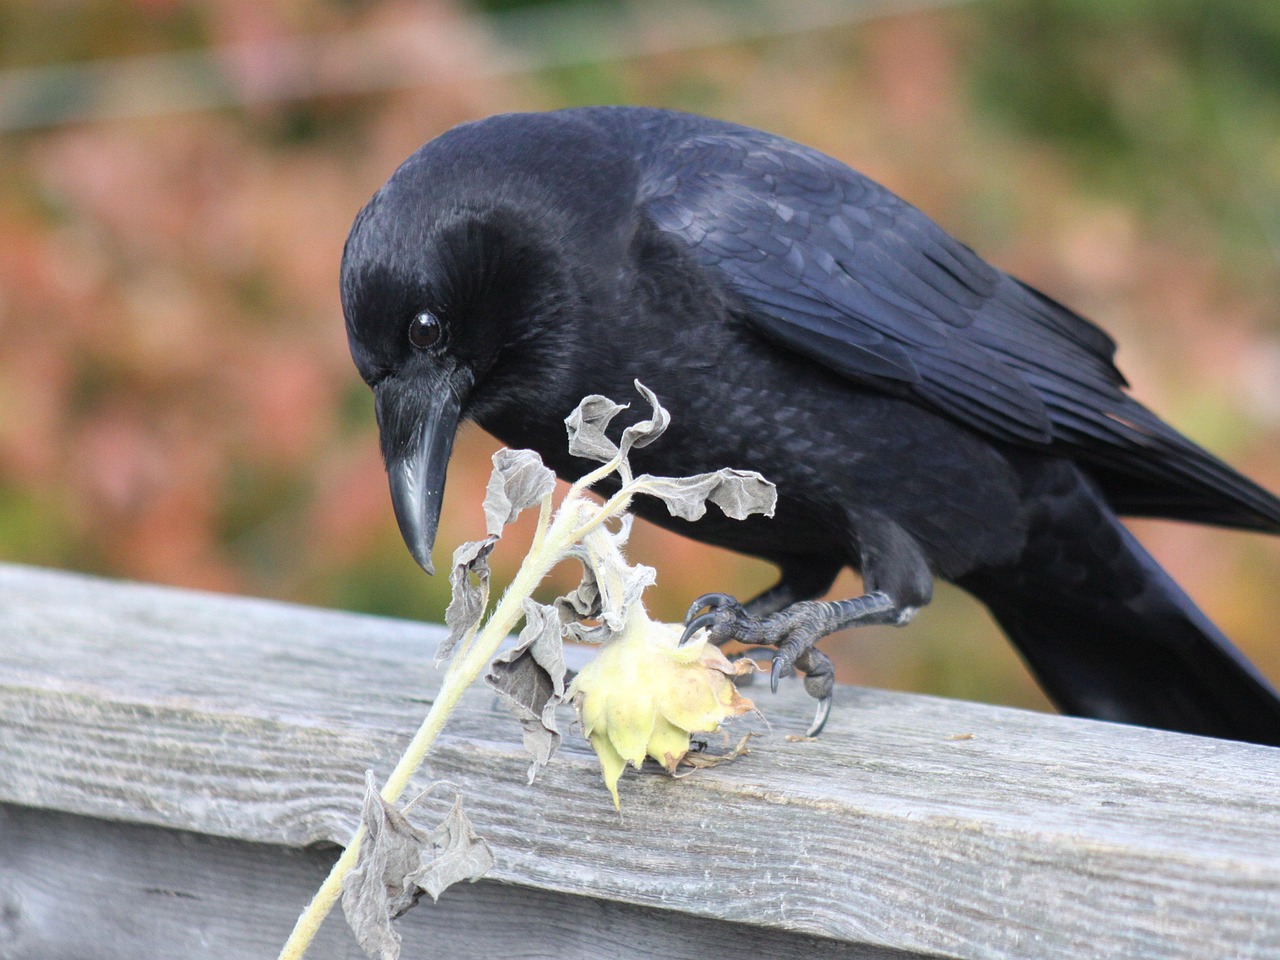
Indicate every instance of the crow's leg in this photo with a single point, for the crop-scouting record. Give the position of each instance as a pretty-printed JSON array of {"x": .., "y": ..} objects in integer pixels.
[
  {"x": 787, "y": 619},
  {"x": 801, "y": 579},
  {"x": 793, "y": 633},
  {"x": 805, "y": 580}
]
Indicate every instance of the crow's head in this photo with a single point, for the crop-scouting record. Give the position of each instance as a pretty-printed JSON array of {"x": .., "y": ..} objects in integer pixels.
[{"x": 463, "y": 280}]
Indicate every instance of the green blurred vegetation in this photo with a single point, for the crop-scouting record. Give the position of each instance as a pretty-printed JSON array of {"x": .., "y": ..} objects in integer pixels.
[
  {"x": 177, "y": 401},
  {"x": 1169, "y": 105}
]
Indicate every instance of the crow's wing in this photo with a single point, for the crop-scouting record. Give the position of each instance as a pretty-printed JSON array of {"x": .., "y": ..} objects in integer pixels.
[
  {"x": 839, "y": 269},
  {"x": 836, "y": 267}
]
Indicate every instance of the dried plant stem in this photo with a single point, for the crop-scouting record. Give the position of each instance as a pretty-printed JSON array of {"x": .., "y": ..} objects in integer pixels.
[
  {"x": 556, "y": 535},
  {"x": 464, "y": 670}
]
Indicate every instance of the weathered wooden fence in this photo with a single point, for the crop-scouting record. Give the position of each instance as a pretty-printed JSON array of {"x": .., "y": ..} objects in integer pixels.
[{"x": 175, "y": 769}]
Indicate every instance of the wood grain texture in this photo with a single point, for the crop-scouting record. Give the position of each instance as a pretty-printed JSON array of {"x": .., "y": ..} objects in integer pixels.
[
  {"x": 65, "y": 881},
  {"x": 1036, "y": 836}
]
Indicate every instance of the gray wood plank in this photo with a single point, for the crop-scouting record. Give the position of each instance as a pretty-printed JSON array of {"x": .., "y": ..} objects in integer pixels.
[
  {"x": 75, "y": 888},
  {"x": 916, "y": 824}
]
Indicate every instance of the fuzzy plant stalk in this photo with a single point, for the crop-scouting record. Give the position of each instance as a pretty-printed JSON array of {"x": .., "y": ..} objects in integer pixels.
[
  {"x": 608, "y": 598},
  {"x": 471, "y": 660}
]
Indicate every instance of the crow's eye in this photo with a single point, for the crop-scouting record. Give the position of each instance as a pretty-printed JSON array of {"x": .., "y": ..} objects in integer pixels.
[{"x": 424, "y": 331}]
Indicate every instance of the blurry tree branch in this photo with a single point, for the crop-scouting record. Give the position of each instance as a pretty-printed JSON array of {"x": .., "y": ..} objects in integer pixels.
[{"x": 410, "y": 54}]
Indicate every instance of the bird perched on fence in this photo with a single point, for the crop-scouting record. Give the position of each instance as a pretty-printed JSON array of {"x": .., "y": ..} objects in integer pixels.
[{"x": 922, "y": 413}]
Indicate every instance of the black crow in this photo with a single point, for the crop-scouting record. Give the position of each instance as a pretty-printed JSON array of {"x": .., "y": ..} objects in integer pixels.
[{"x": 922, "y": 413}]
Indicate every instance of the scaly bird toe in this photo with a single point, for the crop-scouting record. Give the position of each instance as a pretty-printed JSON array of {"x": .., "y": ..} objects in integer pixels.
[{"x": 793, "y": 632}]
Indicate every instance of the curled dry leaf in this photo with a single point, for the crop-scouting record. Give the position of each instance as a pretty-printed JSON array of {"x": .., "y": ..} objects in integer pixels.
[
  {"x": 518, "y": 481},
  {"x": 468, "y": 600},
  {"x": 739, "y": 493},
  {"x": 530, "y": 679},
  {"x": 587, "y": 601},
  {"x": 646, "y": 431},
  {"x": 587, "y": 426},
  {"x": 457, "y": 854},
  {"x": 701, "y": 761},
  {"x": 615, "y": 584},
  {"x": 376, "y": 888},
  {"x": 398, "y": 862}
]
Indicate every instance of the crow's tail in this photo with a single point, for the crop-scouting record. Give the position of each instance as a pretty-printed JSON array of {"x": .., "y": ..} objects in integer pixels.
[{"x": 1109, "y": 635}]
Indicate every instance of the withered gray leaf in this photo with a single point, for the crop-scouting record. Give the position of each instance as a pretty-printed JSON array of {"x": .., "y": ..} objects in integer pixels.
[
  {"x": 582, "y": 603},
  {"x": 397, "y": 862},
  {"x": 619, "y": 589},
  {"x": 609, "y": 584},
  {"x": 530, "y": 679},
  {"x": 739, "y": 493},
  {"x": 646, "y": 431},
  {"x": 519, "y": 480},
  {"x": 457, "y": 854},
  {"x": 378, "y": 887},
  {"x": 468, "y": 601},
  {"x": 587, "y": 425}
]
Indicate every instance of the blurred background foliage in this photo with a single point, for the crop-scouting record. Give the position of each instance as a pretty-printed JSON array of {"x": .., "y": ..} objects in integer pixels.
[{"x": 176, "y": 402}]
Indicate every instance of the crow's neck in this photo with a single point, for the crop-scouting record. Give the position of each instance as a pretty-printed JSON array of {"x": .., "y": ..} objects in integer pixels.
[{"x": 656, "y": 317}]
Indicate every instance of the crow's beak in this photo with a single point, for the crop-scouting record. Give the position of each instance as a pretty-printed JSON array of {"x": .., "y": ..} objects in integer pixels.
[{"x": 416, "y": 466}]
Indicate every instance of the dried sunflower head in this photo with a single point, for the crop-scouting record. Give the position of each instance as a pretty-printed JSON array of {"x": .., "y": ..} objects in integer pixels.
[{"x": 643, "y": 695}]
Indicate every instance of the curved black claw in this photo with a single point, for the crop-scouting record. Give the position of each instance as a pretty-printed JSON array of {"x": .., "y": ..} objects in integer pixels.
[
  {"x": 722, "y": 618},
  {"x": 820, "y": 717},
  {"x": 691, "y": 627},
  {"x": 781, "y": 668},
  {"x": 710, "y": 602},
  {"x": 819, "y": 681}
]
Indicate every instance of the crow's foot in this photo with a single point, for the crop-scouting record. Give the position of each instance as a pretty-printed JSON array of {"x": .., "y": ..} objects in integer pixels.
[{"x": 792, "y": 632}]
